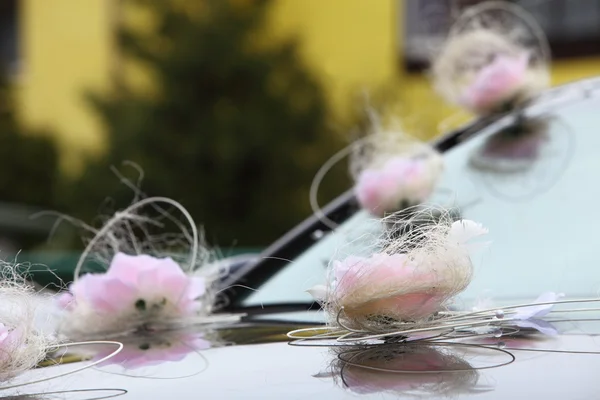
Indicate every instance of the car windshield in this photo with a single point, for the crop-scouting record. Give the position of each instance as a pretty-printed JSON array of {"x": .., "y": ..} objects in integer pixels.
[{"x": 541, "y": 215}]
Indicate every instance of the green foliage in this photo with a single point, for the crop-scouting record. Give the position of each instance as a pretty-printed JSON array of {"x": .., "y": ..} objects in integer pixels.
[
  {"x": 236, "y": 132},
  {"x": 28, "y": 160},
  {"x": 29, "y": 173}
]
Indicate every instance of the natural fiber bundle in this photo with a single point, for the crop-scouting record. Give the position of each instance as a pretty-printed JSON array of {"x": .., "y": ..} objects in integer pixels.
[
  {"x": 22, "y": 346},
  {"x": 409, "y": 278},
  {"x": 495, "y": 58},
  {"x": 393, "y": 172},
  {"x": 152, "y": 281}
]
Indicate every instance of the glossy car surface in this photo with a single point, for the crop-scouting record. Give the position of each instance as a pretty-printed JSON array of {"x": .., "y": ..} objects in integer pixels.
[
  {"x": 543, "y": 222},
  {"x": 263, "y": 365}
]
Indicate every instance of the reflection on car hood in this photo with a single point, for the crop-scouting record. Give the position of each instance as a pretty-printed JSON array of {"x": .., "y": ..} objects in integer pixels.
[{"x": 262, "y": 364}]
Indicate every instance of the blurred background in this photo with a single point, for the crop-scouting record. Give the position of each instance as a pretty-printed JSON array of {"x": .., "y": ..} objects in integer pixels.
[{"x": 228, "y": 106}]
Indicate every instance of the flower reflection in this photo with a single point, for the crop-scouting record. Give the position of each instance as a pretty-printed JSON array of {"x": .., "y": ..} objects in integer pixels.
[
  {"x": 143, "y": 350},
  {"x": 524, "y": 159},
  {"x": 421, "y": 369},
  {"x": 514, "y": 148}
]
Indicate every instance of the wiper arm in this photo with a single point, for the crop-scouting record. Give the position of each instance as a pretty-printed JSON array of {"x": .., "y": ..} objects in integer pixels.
[{"x": 275, "y": 308}]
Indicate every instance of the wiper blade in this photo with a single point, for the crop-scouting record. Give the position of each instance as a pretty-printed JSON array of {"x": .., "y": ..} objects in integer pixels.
[{"x": 276, "y": 308}]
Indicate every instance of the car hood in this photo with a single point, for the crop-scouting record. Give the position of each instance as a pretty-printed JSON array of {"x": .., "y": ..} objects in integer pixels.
[{"x": 255, "y": 360}]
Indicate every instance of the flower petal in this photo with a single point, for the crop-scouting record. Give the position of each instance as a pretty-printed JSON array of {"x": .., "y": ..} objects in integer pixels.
[
  {"x": 196, "y": 288},
  {"x": 149, "y": 282},
  {"x": 183, "y": 291},
  {"x": 542, "y": 326},
  {"x": 494, "y": 82},
  {"x": 128, "y": 268},
  {"x": 318, "y": 292},
  {"x": 65, "y": 301},
  {"x": 3, "y": 332},
  {"x": 112, "y": 295},
  {"x": 537, "y": 311},
  {"x": 464, "y": 230}
]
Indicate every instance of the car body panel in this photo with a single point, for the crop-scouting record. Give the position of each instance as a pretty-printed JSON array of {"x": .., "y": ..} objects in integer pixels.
[
  {"x": 254, "y": 359},
  {"x": 265, "y": 366}
]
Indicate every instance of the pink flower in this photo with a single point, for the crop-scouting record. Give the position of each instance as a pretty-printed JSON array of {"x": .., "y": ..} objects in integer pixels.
[
  {"x": 404, "y": 286},
  {"x": 145, "y": 351},
  {"x": 65, "y": 301},
  {"x": 141, "y": 283},
  {"x": 3, "y": 333},
  {"x": 10, "y": 340},
  {"x": 389, "y": 285},
  {"x": 496, "y": 83},
  {"x": 382, "y": 190}
]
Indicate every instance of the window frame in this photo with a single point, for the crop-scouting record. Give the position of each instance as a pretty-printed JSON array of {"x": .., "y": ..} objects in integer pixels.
[{"x": 561, "y": 48}]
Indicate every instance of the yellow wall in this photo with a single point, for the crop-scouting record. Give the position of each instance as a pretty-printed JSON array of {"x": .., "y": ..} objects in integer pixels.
[
  {"x": 66, "y": 49},
  {"x": 351, "y": 44},
  {"x": 354, "y": 46}
]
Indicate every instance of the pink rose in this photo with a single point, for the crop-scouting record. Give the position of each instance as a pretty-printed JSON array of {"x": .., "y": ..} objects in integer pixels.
[
  {"x": 496, "y": 83},
  {"x": 138, "y": 283},
  {"x": 10, "y": 341},
  {"x": 382, "y": 190},
  {"x": 406, "y": 287},
  {"x": 389, "y": 285}
]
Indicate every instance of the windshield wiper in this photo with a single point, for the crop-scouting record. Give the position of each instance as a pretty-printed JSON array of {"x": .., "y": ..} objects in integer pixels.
[
  {"x": 275, "y": 308},
  {"x": 277, "y": 256}
]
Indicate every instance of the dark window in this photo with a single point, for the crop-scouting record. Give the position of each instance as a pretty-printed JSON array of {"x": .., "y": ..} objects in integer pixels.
[
  {"x": 572, "y": 26},
  {"x": 9, "y": 49}
]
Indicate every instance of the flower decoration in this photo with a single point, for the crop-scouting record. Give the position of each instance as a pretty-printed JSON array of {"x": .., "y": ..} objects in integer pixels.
[
  {"x": 369, "y": 286},
  {"x": 135, "y": 291},
  {"x": 495, "y": 59},
  {"x": 22, "y": 346},
  {"x": 148, "y": 285},
  {"x": 399, "y": 183},
  {"x": 496, "y": 83},
  {"x": 393, "y": 172},
  {"x": 544, "y": 304},
  {"x": 13, "y": 355},
  {"x": 401, "y": 297},
  {"x": 10, "y": 340},
  {"x": 530, "y": 316},
  {"x": 396, "y": 286},
  {"x": 403, "y": 291}
]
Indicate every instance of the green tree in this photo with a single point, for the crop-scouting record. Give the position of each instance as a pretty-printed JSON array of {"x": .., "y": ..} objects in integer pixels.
[
  {"x": 29, "y": 175},
  {"x": 237, "y": 129}
]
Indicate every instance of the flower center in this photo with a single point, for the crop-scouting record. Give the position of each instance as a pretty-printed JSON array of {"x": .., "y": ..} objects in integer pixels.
[
  {"x": 144, "y": 346},
  {"x": 142, "y": 305}
]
